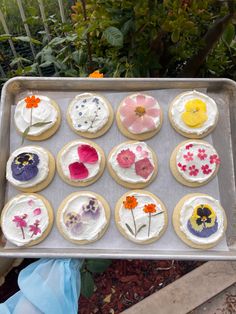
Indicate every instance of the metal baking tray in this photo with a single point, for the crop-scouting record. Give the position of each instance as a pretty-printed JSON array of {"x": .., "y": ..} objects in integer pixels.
[{"x": 63, "y": 90}]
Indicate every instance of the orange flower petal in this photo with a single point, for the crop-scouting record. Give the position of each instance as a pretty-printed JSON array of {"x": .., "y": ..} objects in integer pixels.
[{"x": 96, "y": 74}]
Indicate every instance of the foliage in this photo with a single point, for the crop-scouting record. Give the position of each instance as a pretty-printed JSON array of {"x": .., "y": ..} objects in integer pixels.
[
  {"x": 123, "y": 38},
  {"x": 90, "y": 267}
]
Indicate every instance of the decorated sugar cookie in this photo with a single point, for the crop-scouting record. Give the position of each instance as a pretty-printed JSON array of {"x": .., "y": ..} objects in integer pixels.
[
  {"x": 27, "y": 219},
  {"x": 141, "y": 217},
  {"x": 194, "y": 163},
  {"x": 80, "y": 162},
  {"x": 83, "y": 217},
  {"x": 199, "y": 220},
  {"x": 30, "y": 168},
  {"x": 139, "y": 116},
  {"x": 37, "y": 117},
  {"x": 90, "y": 115},
  {"x": 193, "y": 114},
  {"x": 132, "y": 164}
]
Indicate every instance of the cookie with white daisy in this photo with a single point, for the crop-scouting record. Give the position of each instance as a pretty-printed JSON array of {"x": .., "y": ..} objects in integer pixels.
[
  {"x": 133, "y": 164},
  {"x": 83, "y": 217},
  {"x": 139, "y": 116},
  {"x": 80, "y": 162},
  {"x": 37, "y": 117},
  {"x": 90, "y": 115},
  {"x": 199, "y": 220},
  {"x": 27, "y": 219},
  {"x": 193, "y": 114},
  {"x": 194, "y": 163},
  {"x": 141, "y": 216},
  {"x": 30, "y": 168}
]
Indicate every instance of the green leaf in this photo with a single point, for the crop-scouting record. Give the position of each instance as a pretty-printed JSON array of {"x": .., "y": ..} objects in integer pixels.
[
  {"x": 26, "y": 131},
  {"x": 175, "y": 35},
  {"x": 24, "y": 134},
  {"x": 130, "y": 230},
  {"x": 87, "y": 284},
  {"x": 4, "y": 37},
  {"x": 57, "y": 41},
  {"x": 27, "y": 39},
  {"x": 98, "y": 265},
  {"x": 114, "y": 36},
  {"x": 228, "y": 34},
  {"x": 157, "y": 214},
  {"x": 140, "y": 228},
  {"x": 41, "y": 123}
]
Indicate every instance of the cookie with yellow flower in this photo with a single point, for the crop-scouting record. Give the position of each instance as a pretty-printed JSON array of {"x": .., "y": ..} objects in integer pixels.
[
  {"x": 141, "y": 216},
  {"x": 37, "y": 117},
  {"x": 139, "y": 116},
  {"x": 199, "y": 220},
  {"x": 193, "y": 114}
]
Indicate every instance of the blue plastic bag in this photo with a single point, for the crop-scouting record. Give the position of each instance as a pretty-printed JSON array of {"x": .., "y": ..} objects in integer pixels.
[{"x": 49, "y": 286}]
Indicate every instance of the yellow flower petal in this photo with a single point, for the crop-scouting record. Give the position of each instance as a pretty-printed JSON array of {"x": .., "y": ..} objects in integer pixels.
[{"x": 195, "y": 114}]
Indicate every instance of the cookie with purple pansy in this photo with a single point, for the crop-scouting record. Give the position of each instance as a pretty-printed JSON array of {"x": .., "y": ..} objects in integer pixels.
[
  {"x": 30, "y": 168},
  {"x": 27, "y": 219},
  {"x": 83, "y": 217},
  {"x": 133, "y": 164},
  {"x": 199, "y": 220},
  {"x": 139, "y": 116},
  {"x": 80, "y": 162}
]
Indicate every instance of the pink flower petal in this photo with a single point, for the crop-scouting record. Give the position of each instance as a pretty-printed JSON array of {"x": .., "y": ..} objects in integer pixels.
[
  {"x": 125, "y": 158},
  {"x": 139, "y": 148},
  {"x": 78, "y": 171},
  {"x": 137, "y": 126},
  {"x": 87, "y": 154},
  {"x": 130, "y": 119},
  {"x": 148, "y": 123},
  {"x": 153, "y": 112},
  {"x": 149, "y": 102},
  {"x": 37, "y": 211},
  {"x": 30, "y": 202},
  {"x": 127, "y": 109},
  {"x": 140, "y": 100},
  {"x": 130, "y": 102},
  {"x": 144, "y": 168}
]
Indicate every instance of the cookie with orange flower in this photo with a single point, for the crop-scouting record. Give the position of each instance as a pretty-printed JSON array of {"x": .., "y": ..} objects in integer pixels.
[
  {"x": 90, "y": 115},
  {"x": 199, "y": 220},
  {"x": 139, "y": 116},
  {"x": 193, "y": 114},
  {"x": 133, "y": 164},
  {"x": 27, "y": 219},
  {"x": 37, "y": 117},
  {"x": 141, "y": 216}
]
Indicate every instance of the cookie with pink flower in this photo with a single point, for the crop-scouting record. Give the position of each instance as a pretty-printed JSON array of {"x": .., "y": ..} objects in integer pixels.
[
  {"x": 139, "y": 116},
  {"x": 27, "y": 219},
  {"x": 194, "y": 163},
  {"x": 80, "y": 162},
  {"x": 133, "y": 164}
]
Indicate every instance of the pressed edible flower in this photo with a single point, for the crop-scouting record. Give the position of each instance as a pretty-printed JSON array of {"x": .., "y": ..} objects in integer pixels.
[
  {"x": 149, "y": 208},
  {"x": 195, "y": 113},
  {"x": 144, "y": 168},
  {"x": 32, "y": 102},
  {"x": 35, "y": 228},
  {"x": 96, "y": 74},
  {"x": 130, "y": 202},
  {"x": 125, "y": 158}
]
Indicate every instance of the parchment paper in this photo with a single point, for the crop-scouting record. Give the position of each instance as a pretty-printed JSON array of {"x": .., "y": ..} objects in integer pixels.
[{"x": 164, "y": 186}]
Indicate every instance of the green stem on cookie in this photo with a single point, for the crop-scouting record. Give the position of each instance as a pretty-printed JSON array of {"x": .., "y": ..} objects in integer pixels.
[
  {"x": 23, "y": 233},
  {"x": 149, "y": 224},
  {"x": 135, "y": 228}
]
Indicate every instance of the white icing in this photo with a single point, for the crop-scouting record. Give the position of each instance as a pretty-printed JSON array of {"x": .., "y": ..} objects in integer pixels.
[
  {"x": 129, "y": 174},
  {"x": 186, "y": 213},
  {"x": 178, "y": 108},
  {"x": 200, "y": 177},
  {"x": 43, "y": 166},
  {"x": 142, "y": 218},
  {"x": 70, "y": 155},
  {"x": 156, "y": 120},
  {"x": 45, "y": 112},
  {"x": 90, "y": 225},
  {"x": 19, "y": 206},
  {"x": 90, "y": 116}
]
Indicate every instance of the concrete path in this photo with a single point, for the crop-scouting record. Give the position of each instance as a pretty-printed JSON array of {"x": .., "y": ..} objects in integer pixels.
[{"x": 190, "y": 291}]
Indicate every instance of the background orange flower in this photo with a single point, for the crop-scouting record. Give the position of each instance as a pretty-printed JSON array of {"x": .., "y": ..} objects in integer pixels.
[
  {"x": 96, "y": 74},
  {"x": 150, "y": 208},
  {"x": 32, "y": 102},
  {"x": 130, "y": 202}
]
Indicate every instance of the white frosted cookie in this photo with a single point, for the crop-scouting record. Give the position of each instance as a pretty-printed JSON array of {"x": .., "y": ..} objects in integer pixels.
[
  {"x": 80, "y": 162},
  {"x": 139, "y": 116},
  {"x": 90, "y": 115},
  {"x": 27, "y": 219},
  {"x": 194, "y": 163},
  {"x": 83, "y": 217},
  {"x": 141, "y": 217},
  {"x": 38, "y": 115},
  {"x": 193, "y": 114},
  {"x": 30, "y": 168},
  {"x": 199, "y": 220},
  {"x": 133, "y": 164}
]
